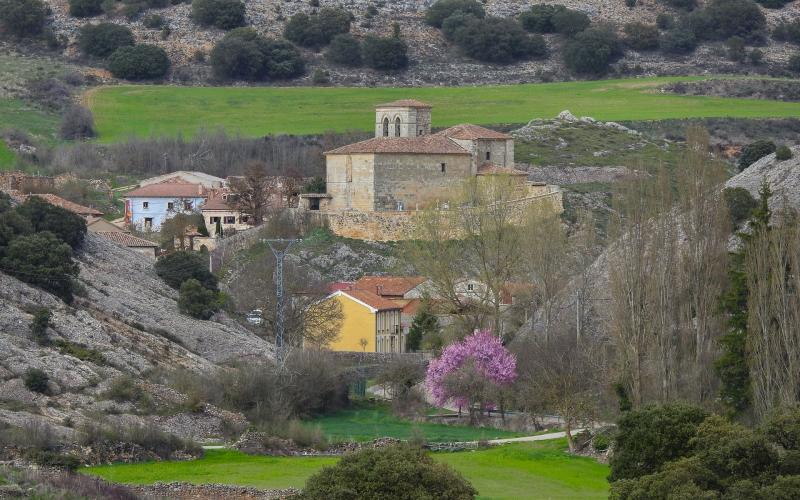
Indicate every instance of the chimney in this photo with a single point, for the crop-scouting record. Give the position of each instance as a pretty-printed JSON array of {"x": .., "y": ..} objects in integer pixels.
[{"x": 379, "y": 289}]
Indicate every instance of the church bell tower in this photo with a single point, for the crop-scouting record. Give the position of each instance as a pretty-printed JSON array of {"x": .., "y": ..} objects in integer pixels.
[{"x": 403, "y": 118}]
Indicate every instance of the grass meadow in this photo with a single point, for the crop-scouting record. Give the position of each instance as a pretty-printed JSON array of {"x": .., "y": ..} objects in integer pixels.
[
  {"x": 522, "y": 470},
  {"x": 145, "y": 110}
]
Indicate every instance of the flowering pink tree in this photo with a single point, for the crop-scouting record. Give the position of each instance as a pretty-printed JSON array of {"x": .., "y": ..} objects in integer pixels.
[{"x": 471, "y": 372}]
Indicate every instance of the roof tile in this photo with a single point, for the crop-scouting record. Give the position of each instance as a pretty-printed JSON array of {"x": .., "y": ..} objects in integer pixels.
[
  {"x": 127, "y": 239},
  {"x": 423, "y": 144},
  {"x": 371, "y": 299},
  {"x": 470, "y": 132},
  {"x": 169, "y": 190},
  {"x": 388, "y": 285}
]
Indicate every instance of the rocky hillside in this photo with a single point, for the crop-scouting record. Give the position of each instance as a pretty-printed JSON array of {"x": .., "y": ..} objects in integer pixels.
[
  {"x": 125, "y": 323},
  {"x": 434, "y": 61},
  {"x": 783, "y": 178}
]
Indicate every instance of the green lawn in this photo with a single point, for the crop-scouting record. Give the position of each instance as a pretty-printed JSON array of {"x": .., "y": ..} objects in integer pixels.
[
  {"x": 523, "y": 470},
  {"x": 121, "y": 111},
  {"x": 17, "y": 114},
  {"x": 366, "y": 422},
  {"x": 7, "y": 157}
]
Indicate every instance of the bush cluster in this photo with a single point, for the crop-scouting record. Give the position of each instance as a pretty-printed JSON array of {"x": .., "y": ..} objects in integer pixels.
[
  {"x": 102, "y": 39},
  {"x": 243, "y": 54},
  {"x": 783, "y": 153},
  {"x": 139, "y": 62},
  {"x": 678, "y": 449},
  {"x": 787, "y": 31},
  {"x": 754, "y": 152},
  {"x": 389, "y": 53},
  {"x": 441, "y": 10},
  {"x": 317, "y": 30},
  {"x": 345, "y": 50},
  {"x": 222, "y": 14},
  {"x": 36, "y": 380},
  {"x": 722, "y": 19},
  {"x": 547, "y": 18},
  {"x": 640, "y": 36},
  {"x": 493, "y": 39},
  {"x": 36, "y": 243},
  {"x": 22, "y": 18},
  {"x": 149, "y": 437},
  {"x": 85, "y": 8},
  {"x": 77, "y": 123},
  {"x": 740, "y": 204},
  {"x": 591, "y": 51}
]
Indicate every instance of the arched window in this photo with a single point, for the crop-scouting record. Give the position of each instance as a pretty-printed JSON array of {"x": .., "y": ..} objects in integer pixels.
[
  {"x": 397, "y": 126},
  {"x": 386, "y": 127}
]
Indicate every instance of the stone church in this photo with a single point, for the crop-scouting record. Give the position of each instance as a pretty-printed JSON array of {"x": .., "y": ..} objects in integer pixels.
[
  {"x": 374, "y": 185},
  {"x": 406, "y": 167}
]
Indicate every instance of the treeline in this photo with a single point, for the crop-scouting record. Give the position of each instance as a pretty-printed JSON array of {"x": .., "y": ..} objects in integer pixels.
[
  {"x": 216, "y": 153},
  {"x": 37, "y": 241}
]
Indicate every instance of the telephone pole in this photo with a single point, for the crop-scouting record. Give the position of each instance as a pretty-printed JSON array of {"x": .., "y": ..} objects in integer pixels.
[{"x": 280, "y": 254}]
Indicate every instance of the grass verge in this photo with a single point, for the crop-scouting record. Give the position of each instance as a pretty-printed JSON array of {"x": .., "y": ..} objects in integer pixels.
[{"x": 524, "y": 470}]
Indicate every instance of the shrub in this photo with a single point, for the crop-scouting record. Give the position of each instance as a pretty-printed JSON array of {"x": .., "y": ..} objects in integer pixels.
[
  {"x": 783, "y": 153},
  {"x": 39, "y": 325},
  {"x": 773, "y": 4},
  {"x": 385, "y": 53},
  {"x": 441, "y": 10},
  {"x": 77, "y": 124},
  {"x": 600, "y": 442},
  {"x": 592, "y": 51},
  {"x": 756, "y": 57},
  {"x": 85, "y": 8},
  {"x": 570, "y": 22},
  {"x": 47, "y": 458},
  {"x": 320, "y": 77},
  {"x": 22, "y": 18},
  {"x": 539, "y": 18},
  {"x": 317, "y": 30},
  {"x": 140, "y": 62},
  {"x": 222, "y": 14},
  {"x": 306, "y": 436},
  {"x": 244, "y": 54},
  {"x": 344, "y": 50},
  {"x": 154, "y": 22},
  {"x": 754, "y": 152},
  {"x": 651, "y": 436},
  {"x": 680, "y": 40},
  {"x": 787, "y": 31},
  {"x": 102, "y": 39},
  {"x": 722, "y": 19},
  {"x": 665, "y": 21},
  {"x": 148, "y": 436},
  {"x": 794, "y": 63},
  {"x": 197, "y": 301},
  {"x": 178, "y": 267},
  {"x": 735, "y": 47},
  {"x": 43, "y": 216},
  {"x": 740, "y": 204},
  {"x": 36, "y": 380},
  {"x": 682, "y": 4},
  {"x": 498, "y": 40},
  {"x": 42, "y": 260},
  {"x": 630, "y": 3},
  {"x": 640, "y": 36},
  {"x": 413, "y": 473},
  {"x": 124, "y": 389},
  {"x": 81, "y": 352}
]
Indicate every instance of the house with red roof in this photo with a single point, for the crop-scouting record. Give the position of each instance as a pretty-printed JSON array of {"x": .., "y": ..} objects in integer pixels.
[{"x": 148, "y": 206}]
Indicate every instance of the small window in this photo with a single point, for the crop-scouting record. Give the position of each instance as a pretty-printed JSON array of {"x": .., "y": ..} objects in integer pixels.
[
  {"x": 187, "y": 205},
  {"x": 470, "y": 287},
  {"x": 229, "y": 219},
  {"x": 214, "y": 220},
  {"x": 243, "y": 219},
  {"x": 170, "y": 206},
  {"x": 386, "y": 127},
  {"x": 148, "y": 223},
  {"x": 444, "y": 167},
  {"x": 400, "y": 206},
  {"x": 145, "y": 205},
  {"x": 488, "y": 155}
]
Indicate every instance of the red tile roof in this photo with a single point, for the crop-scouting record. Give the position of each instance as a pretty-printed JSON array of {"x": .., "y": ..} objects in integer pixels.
[
  {"x": 492, "y": 169},
  {"x": 68, "y": 205},
  {"x": 469, "y": 132},
  {"x": 169, "y": 190},
  {"x": 127, "y": 239},
  {"x": 216, "y": 203},
  {"x": 388, "y": 285},
  {"x": 404, "y": 103},
  {"x": 370, "y": 299},
  {"x": 423, "y": 144}
]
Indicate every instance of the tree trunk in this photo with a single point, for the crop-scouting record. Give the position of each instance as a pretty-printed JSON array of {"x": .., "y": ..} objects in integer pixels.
[{"x": 568, "y": 432}]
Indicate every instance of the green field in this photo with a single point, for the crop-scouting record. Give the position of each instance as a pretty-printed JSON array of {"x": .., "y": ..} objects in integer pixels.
[
  {"x": 20, "y": 115},
  {"x": 366, "y": 422},
  {"x": 523, "y": 470},
  {"x": 7, "y": 157},
  {"x": 143, "y": 110}
]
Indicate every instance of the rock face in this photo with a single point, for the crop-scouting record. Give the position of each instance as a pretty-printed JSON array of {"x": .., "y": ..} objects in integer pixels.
[
  {"x": 128, "y": 319},
  {"x": 783, "y": 178}
]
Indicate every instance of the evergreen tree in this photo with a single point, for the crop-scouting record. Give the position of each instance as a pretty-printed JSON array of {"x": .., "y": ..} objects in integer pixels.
[
  {"x": 424, "y": 323},
  {"x": 218, "y": 229}
]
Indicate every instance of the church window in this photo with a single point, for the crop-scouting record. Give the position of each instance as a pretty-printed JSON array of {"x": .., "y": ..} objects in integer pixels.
[
  {"x": 386, "y": 127},
  {"x": 444, "y": 167},
  {"x": 397, "y": 127},
  {"x": 488, "y": 155}
]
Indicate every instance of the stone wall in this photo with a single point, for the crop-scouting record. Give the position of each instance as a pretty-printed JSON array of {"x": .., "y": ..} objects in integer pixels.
[
  {"x": 399, "y": 225},
  {"x": 350, "y": 181},
  {"x": 413, "y": 121},
  {"x": 417, "y": 180}
]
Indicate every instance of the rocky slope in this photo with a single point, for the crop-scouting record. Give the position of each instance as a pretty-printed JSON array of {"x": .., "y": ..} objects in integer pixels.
[
  {"x": 434, "y": 61},
  {"x": 128, "y": 318},
  {"x": 783, "y": 178}
]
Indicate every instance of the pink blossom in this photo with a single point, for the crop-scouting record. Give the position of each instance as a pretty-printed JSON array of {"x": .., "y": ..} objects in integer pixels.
[{"x": 488, "y": 354}]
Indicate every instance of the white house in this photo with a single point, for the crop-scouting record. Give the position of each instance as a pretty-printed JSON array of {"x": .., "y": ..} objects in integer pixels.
[{"x": 147, "y": 207}]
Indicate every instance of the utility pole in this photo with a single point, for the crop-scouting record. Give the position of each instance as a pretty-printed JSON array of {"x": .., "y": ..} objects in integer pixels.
[{"x": 280, "y": 254}]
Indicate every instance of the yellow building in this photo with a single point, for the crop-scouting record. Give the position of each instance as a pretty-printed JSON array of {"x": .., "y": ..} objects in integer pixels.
[{"x": 370, "y": 323}]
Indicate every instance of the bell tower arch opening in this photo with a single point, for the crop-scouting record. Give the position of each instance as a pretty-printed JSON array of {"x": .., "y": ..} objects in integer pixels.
[{"x": 409, "y": 118}]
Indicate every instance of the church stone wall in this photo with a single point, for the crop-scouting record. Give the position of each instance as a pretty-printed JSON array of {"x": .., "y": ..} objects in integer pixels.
[
  {"x": 350, "y": 182},
  {"x": 416, "y": 180}
]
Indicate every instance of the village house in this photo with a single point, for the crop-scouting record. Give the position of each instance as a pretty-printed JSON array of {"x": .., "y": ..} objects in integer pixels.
[
  {"x": 147, "y": 207},
  {"x": 190, "y": 177},
  {"x": 218, "y": 210},
  {"x": 121, "y": 237},
  {"x": 370, "y": 323}
]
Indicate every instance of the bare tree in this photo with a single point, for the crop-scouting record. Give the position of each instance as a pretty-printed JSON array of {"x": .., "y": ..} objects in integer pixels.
[{"x": 250, "y": 193}]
